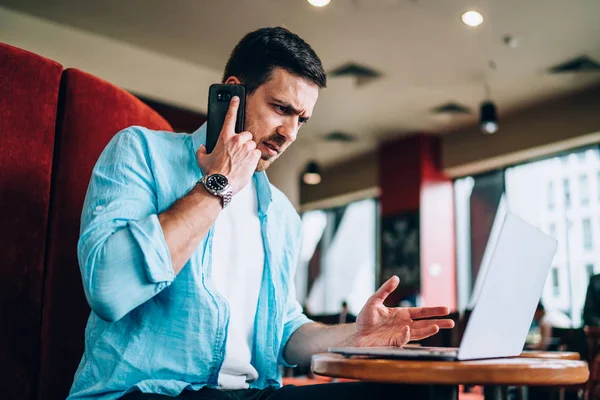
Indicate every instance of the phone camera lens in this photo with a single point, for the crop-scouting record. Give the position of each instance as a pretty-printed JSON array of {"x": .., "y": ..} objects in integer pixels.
[{"x": 223, "y": 96}]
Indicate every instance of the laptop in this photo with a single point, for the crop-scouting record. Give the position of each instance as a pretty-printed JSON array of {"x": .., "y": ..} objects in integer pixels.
[{"x": 509, "y": 284}]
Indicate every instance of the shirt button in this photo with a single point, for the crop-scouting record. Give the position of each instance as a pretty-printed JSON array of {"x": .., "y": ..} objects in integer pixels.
[{"x": 99, "y": 208}]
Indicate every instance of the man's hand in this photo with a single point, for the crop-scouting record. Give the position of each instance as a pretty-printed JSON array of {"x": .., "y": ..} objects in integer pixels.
[
  {"x": 234, "y": 155},
  {"x": 378, "y": 325}
]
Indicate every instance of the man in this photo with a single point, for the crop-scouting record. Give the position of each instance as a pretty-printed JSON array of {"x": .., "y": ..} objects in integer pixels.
[
  {"x": 345, "y": 316},
  {"x": 540, "y": 332},
  {"x": 193, "y": 297}
]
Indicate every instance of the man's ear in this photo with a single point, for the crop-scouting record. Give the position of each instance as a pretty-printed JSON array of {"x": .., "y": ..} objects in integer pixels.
[{"x": 233, "y": 80}]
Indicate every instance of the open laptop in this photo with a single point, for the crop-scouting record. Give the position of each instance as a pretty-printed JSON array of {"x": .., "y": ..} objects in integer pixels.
[{"x": 513, "y": 271}]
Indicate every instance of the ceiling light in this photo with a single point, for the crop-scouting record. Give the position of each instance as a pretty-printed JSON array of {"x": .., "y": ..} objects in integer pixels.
[
  {"x": 312, "y": 174},
  {"x": 511, "y": 41},
  {"x": 472, "y": 18},
  {"x": 319, "y": 3},
  {"x": 489, "y": 118}
]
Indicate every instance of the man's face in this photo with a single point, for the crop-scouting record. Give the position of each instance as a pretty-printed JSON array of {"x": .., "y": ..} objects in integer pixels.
[{"x": 276, "y": 111}]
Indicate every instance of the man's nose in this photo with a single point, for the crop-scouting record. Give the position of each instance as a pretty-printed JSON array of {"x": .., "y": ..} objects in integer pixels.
[{"x": 289, "y": 129}]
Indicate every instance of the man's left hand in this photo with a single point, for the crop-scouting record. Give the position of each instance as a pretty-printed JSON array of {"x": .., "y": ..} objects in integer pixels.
[{"x": 378, "y": 325}]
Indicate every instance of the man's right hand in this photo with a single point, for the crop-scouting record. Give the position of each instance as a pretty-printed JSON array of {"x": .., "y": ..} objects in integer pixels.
[{"x": 235, "y": 155}]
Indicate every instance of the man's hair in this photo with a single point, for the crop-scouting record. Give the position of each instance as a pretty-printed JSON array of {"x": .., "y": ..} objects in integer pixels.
[{"x": 258, "y": 53}]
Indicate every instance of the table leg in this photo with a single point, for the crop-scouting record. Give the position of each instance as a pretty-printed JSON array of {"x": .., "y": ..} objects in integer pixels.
[
  {"x": 495, "y": 393},
  {"x": 443, "y": 393}
]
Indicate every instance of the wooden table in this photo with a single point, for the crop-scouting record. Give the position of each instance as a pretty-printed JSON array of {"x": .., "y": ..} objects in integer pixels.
[
  {"x": 551, "y": 355},
  {"x": 445, "y": 376}
]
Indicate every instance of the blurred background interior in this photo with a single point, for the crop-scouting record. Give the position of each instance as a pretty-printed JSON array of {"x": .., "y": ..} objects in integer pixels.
[{"x": 430, "y": 116}]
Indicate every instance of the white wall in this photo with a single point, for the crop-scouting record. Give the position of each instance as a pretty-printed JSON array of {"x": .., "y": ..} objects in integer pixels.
[{"x": 132, "y": 68}]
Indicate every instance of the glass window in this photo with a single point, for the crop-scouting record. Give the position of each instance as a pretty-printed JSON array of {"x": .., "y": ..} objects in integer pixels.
[
  {"x": 589, "y": 268},
  {"x": 567, "y": 191},
  {"x": 586, "y": 225},
  {"x": 339, "y": 260},
  {"x": 476, "y": 201},
  {"x": 541, "y": 192},
  {"x": 598, "y": 185},
  {"x": 584, "y": 191},
  {"x": 552, "y": 230},
  {"x": 550, "y": 195},
  {"x": 555, "y": 282}
]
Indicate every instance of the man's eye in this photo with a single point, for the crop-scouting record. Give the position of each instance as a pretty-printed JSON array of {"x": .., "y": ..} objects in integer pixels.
[{"x": 282, "y": 109}]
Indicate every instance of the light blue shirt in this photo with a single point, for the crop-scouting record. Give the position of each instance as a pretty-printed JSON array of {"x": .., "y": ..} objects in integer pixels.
[{"x": 150, "y": 329}]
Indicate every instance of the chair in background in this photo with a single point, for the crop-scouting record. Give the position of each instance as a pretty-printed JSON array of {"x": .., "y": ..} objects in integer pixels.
[{"x": 593, "y": 342}]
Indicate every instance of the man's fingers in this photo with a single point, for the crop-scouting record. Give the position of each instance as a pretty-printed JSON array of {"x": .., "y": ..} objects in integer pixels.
[
  {"x": 441, "y": 323},
  {"x": 403, "y": 337},
  {"x": 428, "y": 312},
  {"x": 418, "y": 334},
  {"x": 384, "y": 291},
  {"x": 243, "y": 137},
  {"x": 230, "y": 118}
]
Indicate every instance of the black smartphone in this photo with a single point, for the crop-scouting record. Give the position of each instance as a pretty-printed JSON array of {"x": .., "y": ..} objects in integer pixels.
[{"x": 219, "y": 97}]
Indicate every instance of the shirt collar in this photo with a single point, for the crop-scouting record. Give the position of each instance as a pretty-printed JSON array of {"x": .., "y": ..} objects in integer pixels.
[{"x": 263, "y": 187}]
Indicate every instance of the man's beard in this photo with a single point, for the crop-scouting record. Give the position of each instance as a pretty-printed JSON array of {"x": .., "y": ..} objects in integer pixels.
[
  {"x": 263, "y": 164},
  {"x": 266, "y": 161}
]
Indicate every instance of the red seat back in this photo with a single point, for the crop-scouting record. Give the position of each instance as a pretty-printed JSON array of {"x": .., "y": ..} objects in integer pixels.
[
  {"x": 91, "y": 112},
  {"x": 28, "y": 100}
]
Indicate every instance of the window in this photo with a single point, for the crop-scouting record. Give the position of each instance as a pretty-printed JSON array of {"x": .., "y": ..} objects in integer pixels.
[
  {"x": 550, "y": 195},
  {"x": 473, "y": 225},
  {"x": 555, "y": 282},
  {"x": 531, "y": 190},
  {"x": 338, "y": 257},
  {"x": 567, "y": 193},
  {"x": 589, "y": 268},
  {"x": 552, "y": 230},
  {"x": 584, "y": 192},
  {"x": 586, "y": 225},
  {"x": 598, "y": 178}
]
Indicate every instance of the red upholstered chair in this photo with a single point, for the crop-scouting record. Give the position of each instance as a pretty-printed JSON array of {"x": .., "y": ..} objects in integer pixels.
[
  {"x": 28, "y": 99},
  {"x": 91, "y": 112}
]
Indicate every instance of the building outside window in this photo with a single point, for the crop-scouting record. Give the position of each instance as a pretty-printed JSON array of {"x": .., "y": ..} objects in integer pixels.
[
  {"x": 550, "y": 195},
  {"x": 541, "y": 193},
  {"x": 555, "y": 283},
  {"x": 584, "y": 191},
  {"x": 567, "y": 192},
  {"x": 586, "y": 226}
]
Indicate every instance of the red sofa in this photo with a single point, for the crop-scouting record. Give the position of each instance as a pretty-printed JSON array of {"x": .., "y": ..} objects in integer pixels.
[
  {"x": 50, "y": 139},
  {"x": 28, "y": 100}
]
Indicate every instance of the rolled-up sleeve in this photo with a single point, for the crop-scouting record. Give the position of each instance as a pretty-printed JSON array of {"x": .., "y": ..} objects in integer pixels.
[
  {"x": 123, "y": 256},
  {"x": 294, "y": 317}
]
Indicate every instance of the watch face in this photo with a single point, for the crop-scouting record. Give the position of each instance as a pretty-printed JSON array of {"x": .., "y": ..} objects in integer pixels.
[{"x": 216, "y": 182}]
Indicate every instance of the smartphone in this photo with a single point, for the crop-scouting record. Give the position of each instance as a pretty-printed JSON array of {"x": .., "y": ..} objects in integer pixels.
[{"x": 219, "y": 97}]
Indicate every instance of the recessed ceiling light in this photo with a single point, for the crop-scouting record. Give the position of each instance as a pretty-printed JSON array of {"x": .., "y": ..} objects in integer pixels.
[
  {"x": 472, "y": 18},
  {"x": 319, "y": 3}
]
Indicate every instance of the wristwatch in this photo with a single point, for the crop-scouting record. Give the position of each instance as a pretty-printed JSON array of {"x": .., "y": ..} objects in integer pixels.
[{"x": 218, "y": 185}]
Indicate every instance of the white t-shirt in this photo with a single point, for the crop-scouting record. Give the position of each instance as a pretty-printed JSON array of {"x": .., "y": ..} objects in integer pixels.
[{"x": 237, "y": 267}]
